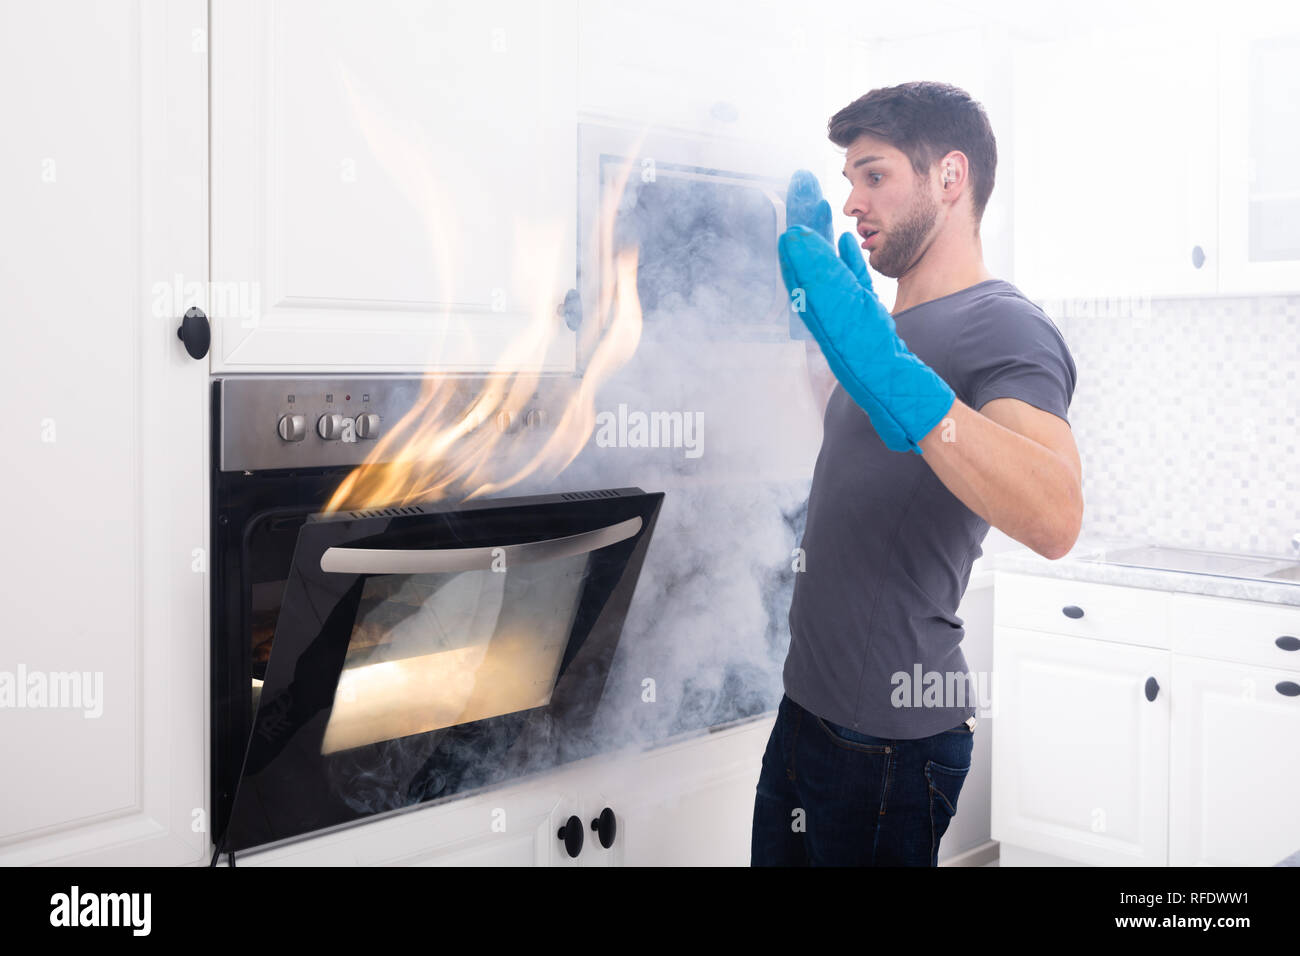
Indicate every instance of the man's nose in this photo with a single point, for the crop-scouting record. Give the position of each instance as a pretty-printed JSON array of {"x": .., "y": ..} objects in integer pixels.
[{"x": 852, "y": 207}]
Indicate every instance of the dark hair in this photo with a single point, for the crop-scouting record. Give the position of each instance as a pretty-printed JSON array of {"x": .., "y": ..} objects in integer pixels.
[{"x": 925, "y": 121}]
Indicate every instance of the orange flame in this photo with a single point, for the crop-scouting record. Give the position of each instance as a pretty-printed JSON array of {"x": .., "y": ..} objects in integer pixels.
[{"x": 448, "y": 446}]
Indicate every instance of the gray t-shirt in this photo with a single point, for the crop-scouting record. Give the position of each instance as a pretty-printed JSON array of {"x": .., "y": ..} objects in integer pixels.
[{"x": 875, "y": 641}]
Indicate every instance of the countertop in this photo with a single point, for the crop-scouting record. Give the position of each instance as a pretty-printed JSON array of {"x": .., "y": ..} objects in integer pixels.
[{"x": 1072, "y": 566}]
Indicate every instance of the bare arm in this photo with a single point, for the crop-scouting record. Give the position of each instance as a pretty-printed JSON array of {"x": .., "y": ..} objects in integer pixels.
[{"x": 1014, "y": 465}]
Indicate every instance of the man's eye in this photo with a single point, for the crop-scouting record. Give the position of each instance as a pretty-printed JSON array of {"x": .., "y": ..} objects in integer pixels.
[{"x": 881, "y": 175}]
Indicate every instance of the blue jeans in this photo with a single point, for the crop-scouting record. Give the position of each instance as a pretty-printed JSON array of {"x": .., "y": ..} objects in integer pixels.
[{"x": 830, "y": 796}]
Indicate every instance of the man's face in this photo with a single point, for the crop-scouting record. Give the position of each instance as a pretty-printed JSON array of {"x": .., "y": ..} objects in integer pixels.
[{"x": 889, "y": 198}]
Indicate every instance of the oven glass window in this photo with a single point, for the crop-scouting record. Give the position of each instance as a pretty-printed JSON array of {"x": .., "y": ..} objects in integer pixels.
[{"x": 429, "y": 651}]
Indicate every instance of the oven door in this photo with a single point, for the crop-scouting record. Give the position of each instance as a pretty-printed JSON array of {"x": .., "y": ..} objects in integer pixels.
[{"x": 424, "y": 651}]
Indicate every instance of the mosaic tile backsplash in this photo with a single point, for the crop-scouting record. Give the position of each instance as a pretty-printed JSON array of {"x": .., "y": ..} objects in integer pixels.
[{"x": 1185, "y": 417}]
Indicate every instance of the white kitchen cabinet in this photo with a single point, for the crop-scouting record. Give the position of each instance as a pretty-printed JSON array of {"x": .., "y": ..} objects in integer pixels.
[
  {"x": 1187, "y": 142},
  {"x": 511, "y": 826},
  {"x": 1259, "y": 140},
  {"x": 1248, "y": 632},
  {"x": 1080, "y": 755},
  {"x": 394, "y": 185},
  {"x": 103, "y": 186},
  {"x": 1086, "y": 769},
  {"x": 1234, "y": 772},
  {"x": 1115, "y": 160},
  {"x": 767, "y": 74},
  {"x": 689, "y": 802},
  {"x": 1082, "y": 609},
  {"x": 1116, "y": 164}
]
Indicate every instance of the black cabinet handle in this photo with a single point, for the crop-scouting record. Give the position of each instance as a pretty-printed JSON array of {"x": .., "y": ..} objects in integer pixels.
[
  {"x": 571, "y": 309},
  {"x": 1152, "y": 688},
  {"x": 1288, "y": 688},
  {"x": 571, "y": 834},
  {"x": 194, "y": 332},
  {"x": 605, "y": 826},
  {"x": 1071, "y": 610},
  {"x": 1288, "y": 643}
]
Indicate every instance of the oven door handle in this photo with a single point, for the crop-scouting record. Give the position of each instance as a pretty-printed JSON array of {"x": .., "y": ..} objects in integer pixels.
[{"x": 445, "y": 560}]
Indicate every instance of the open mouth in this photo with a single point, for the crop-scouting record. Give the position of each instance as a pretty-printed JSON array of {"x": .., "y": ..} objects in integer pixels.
[{"x": 868, "y": 237}]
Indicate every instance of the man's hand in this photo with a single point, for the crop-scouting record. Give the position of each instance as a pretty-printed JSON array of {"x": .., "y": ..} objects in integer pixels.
[{"x": 904, "y": 398}]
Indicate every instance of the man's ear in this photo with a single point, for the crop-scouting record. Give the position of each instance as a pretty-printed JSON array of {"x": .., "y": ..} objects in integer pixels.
[{"x": 952, "y": 167}]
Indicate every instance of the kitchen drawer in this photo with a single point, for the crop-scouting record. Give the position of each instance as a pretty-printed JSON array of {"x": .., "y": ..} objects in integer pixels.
[
  {"x": 1228, "y": 630},
  {"x": 1110, "y": 612}
]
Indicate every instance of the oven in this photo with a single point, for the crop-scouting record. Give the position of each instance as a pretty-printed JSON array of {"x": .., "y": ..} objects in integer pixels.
[{"x": 368, "y": 661}]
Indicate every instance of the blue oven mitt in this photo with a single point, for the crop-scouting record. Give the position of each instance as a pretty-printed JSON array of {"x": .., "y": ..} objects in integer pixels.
[
  {"x": 804, "y": 206},
  {"x": 904, "y": 398}
]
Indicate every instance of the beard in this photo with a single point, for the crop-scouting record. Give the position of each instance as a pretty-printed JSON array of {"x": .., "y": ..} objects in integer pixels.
[{"x": 905, "y": 242}]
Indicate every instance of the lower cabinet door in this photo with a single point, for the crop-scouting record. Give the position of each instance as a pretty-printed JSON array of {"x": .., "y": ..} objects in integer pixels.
[
  {"x": 1080, "y": 754},
  {"x": 513, "y": 826},
  {"x": 1234, "y": 764},
  {"x": 686, "y": 804}
]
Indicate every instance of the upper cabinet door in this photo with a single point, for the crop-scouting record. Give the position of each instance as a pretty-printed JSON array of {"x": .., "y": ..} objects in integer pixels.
[
  {"x": 1259, "y": 139},
  {"x": 757, "y": 72},
  {"x": 393, "y": 184},
  {"x": 1115, "y": 164}
]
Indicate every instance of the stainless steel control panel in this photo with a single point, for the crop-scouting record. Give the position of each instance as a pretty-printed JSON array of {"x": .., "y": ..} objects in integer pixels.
[{"x": 306, "y": 421}]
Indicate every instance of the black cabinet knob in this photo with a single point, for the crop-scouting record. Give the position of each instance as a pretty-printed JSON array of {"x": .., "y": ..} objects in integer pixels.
[
  {"x": 1288, "y": 688},
  {"x": 1288, "y": 643},
  {"x": 1071, "y": 611},
  {"x": 571, "y": 834},
  {"x": 605, "y": 826},
  {"x": 194, "y": 332},
  {"x": 1152, "y": 688}
]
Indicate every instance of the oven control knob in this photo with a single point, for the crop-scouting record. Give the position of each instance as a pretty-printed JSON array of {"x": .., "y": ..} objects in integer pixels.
[
  {"x": 329, "y": 426},
  {"x": 535, "y": 418},
  {"x": 293, "y": 427},
  {"x": 368, "y": 425},
  {"x": 505, "y": 422}
]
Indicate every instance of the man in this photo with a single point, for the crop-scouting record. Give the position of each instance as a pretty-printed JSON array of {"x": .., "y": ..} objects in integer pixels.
[{"x": 949, "y": 416}]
